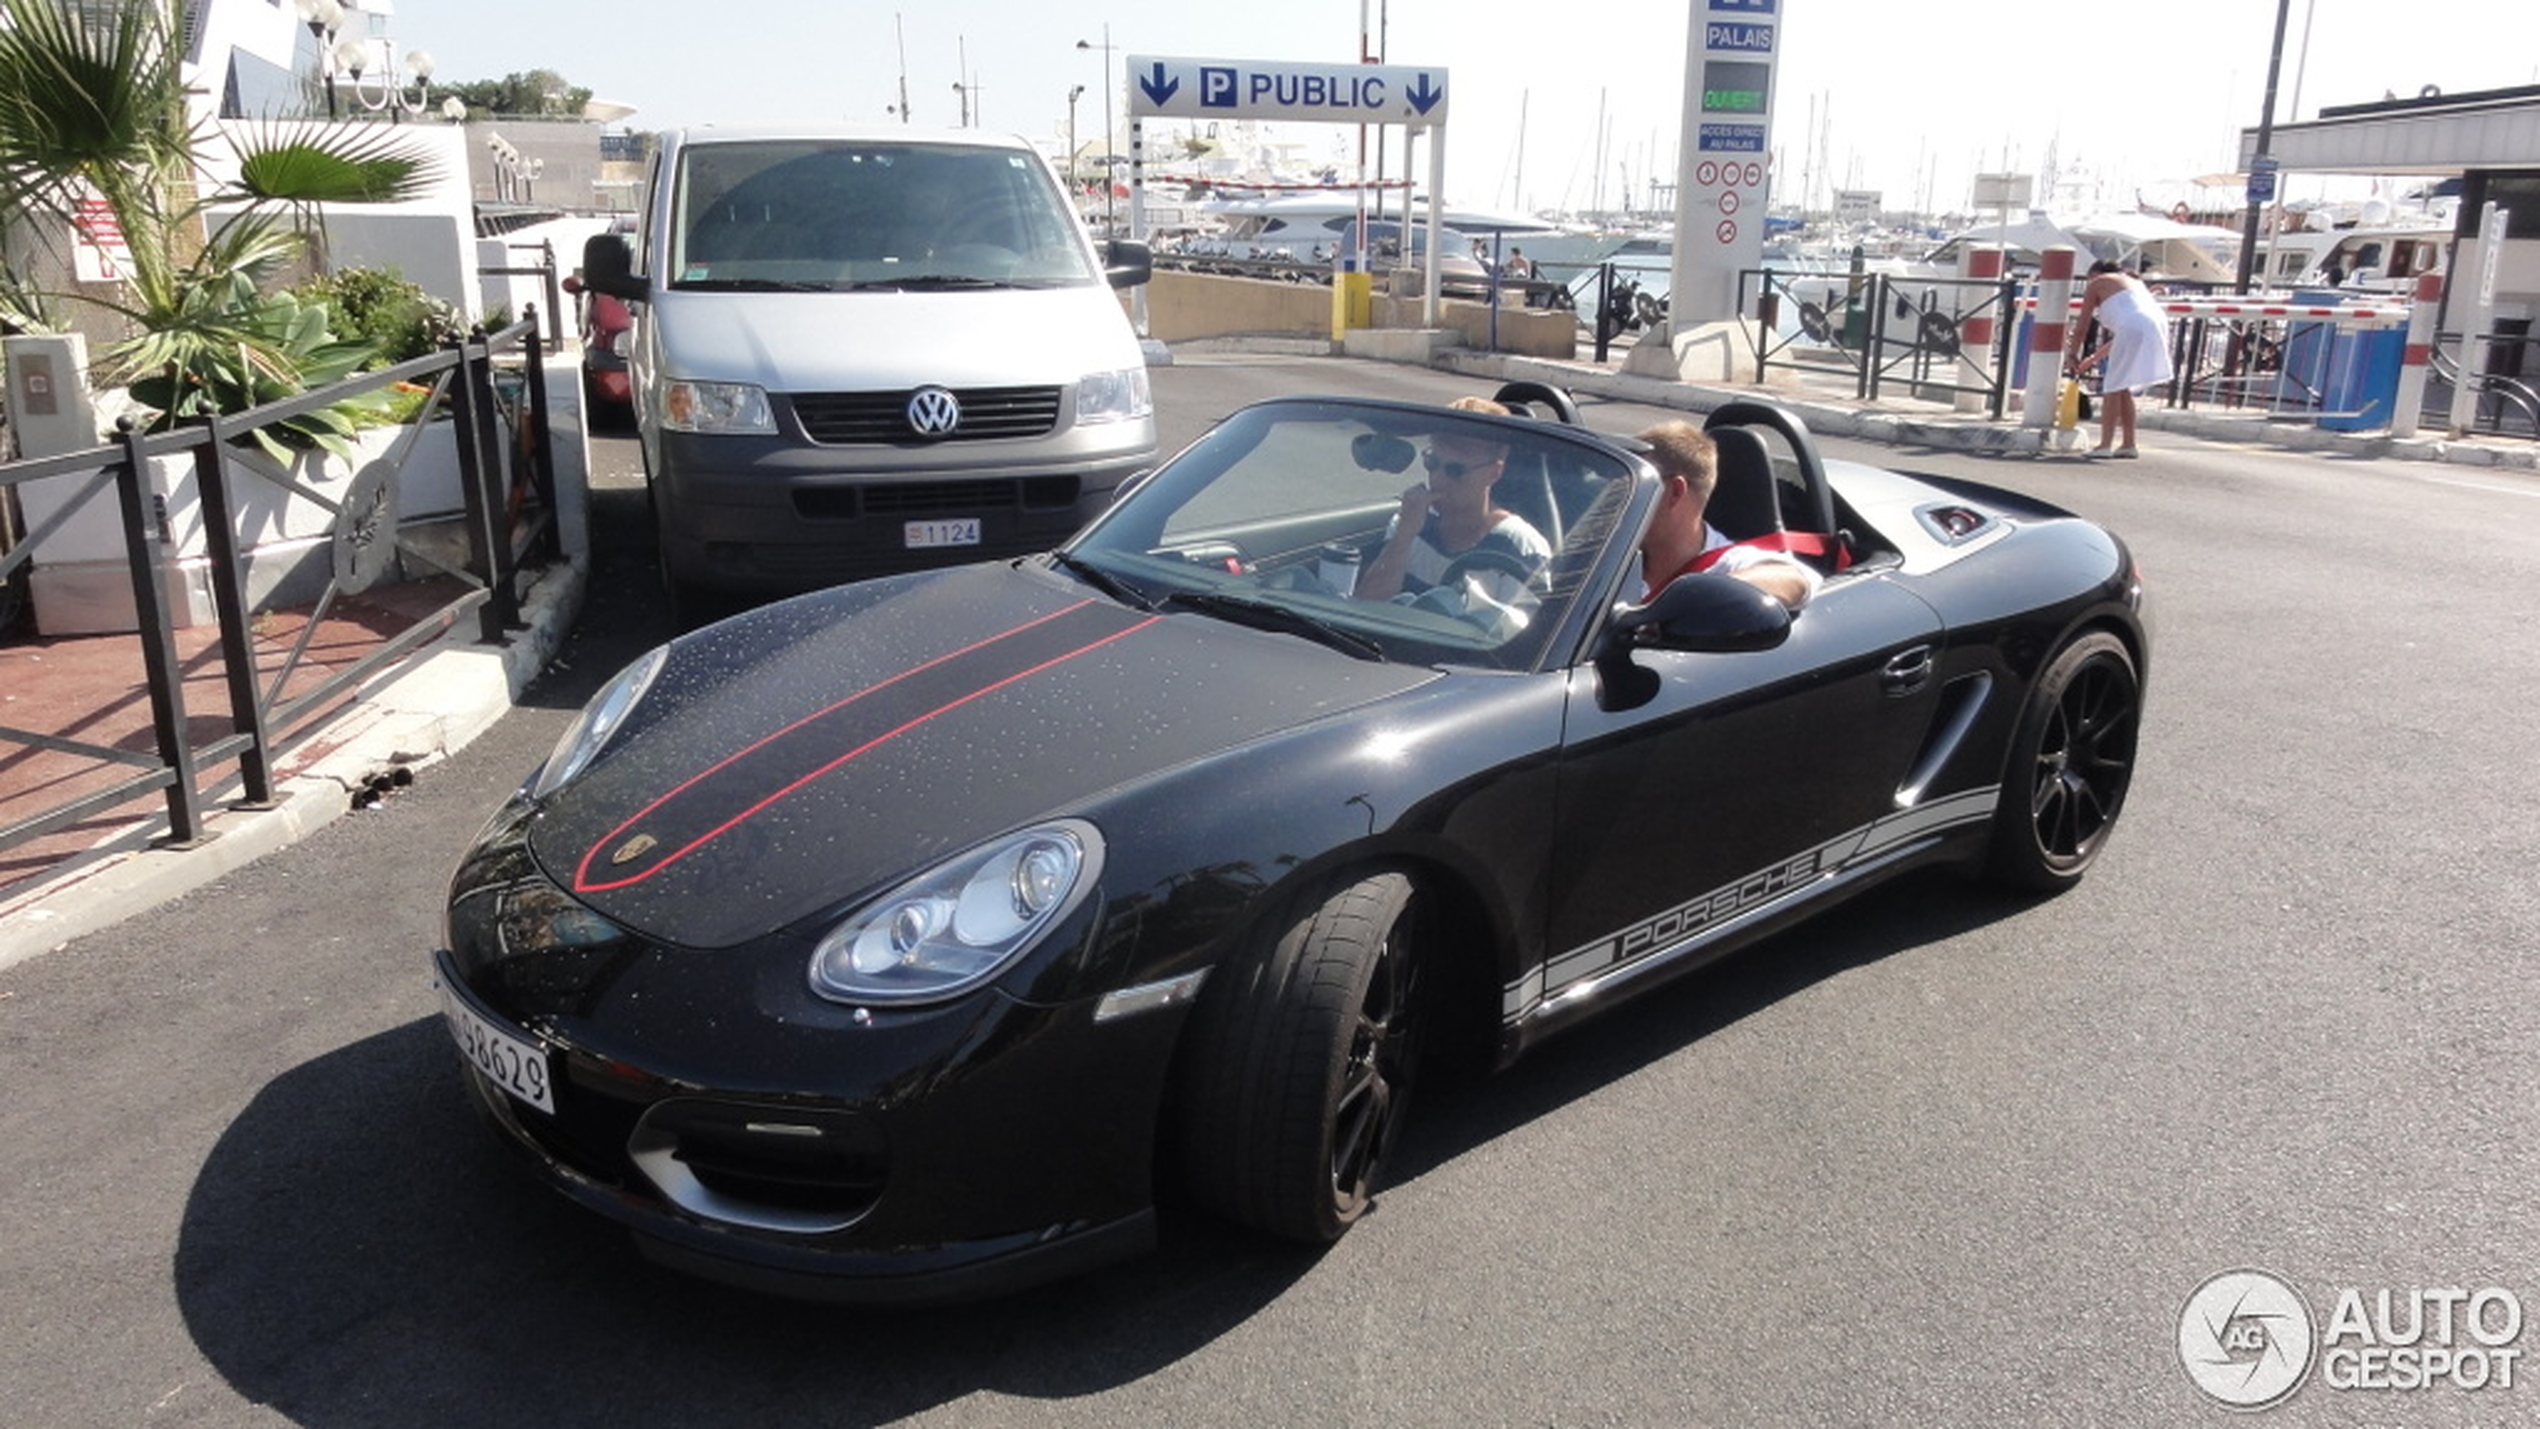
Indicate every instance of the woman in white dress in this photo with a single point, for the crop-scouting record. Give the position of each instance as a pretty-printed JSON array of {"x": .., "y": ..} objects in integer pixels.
[{"x": 2136, "y": 354}]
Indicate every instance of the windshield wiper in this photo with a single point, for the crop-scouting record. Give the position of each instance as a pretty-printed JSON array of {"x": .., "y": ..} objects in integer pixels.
[
  {"x": 1103, "y": 580},
  {"x": 753, "y": 285},
  {"x": 1264, "y": 615},
  {"x": 928, "y": 282}
]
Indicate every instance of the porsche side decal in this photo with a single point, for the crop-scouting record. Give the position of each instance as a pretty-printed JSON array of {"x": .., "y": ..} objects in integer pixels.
[
  {"x": 1690, "y": 924},
  {"x": 742, "y": 784}
]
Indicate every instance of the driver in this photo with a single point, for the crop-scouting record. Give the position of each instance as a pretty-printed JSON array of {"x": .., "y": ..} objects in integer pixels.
[{"x": 1451, "y": 516}]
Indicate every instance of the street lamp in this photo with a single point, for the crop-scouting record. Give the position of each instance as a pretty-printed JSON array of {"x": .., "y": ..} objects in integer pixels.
[
  {"x": 324, "y": 18},
  {"x": 963, "y": 90},
  {"x": 1110, "y": 209},
  {"x": 507, "y": 166},
  {"x": 353, "y": 56},
  {"x": 1074, "y": 92}
]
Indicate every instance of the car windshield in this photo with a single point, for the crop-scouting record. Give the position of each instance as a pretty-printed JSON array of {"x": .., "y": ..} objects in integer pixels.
[
  {"x": 835, "y": 215},
  {"x": 1280, "y": 518}
]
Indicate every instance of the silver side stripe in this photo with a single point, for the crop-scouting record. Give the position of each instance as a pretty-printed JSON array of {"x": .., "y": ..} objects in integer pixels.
[{"x": 1697, "y": 921}]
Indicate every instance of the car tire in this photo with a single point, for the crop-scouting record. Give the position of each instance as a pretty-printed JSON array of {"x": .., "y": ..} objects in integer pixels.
[
  {"x": 2071, "y": 762},
  {"x": 1304, "y": 1055}
]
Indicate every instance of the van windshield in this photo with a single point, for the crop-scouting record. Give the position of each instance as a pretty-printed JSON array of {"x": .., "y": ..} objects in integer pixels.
[{"x": 829, "y": 214}]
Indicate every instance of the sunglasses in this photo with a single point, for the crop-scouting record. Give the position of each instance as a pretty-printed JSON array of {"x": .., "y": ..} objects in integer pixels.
[{"x": 1453, "y": 470}]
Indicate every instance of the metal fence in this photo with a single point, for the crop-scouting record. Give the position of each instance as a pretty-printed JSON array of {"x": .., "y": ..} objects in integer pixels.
[
  {"x": 491, "y": 389},
  {"x": 1940, "y": 337},
  {"x": 2503, "y": 374}
]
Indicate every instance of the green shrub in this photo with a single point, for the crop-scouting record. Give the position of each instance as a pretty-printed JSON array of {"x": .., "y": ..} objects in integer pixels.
[
  {"x": 378, "y": 306},
  {"x": 287, "y": 346}
]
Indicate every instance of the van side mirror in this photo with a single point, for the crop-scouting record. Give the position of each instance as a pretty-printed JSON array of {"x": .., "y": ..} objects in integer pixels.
[
  {"x": 608, "y": 266},
  {"x": 1127, "y": 263}
]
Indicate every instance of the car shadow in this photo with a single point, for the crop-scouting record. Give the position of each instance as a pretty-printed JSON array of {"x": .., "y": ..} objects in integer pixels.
[
  {"x": 1462, "y": 1111},
  {"x": 359, "y": 1250}
]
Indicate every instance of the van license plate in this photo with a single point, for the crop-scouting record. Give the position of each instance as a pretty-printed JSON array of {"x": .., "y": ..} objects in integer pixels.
[{"x": 917, "y": 535}]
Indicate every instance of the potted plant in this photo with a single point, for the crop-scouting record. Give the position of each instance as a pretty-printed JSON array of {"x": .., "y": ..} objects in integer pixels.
[
  {"x": 96, "y": 133},
  {"x": 94, "y": 120}
]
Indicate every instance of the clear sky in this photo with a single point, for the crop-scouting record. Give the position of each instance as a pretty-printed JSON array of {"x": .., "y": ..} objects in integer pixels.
[{"x": 1553, "y": 106}]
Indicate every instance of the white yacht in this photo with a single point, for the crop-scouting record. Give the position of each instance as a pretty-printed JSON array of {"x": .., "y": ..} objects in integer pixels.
[{"x": 1313, "y": 226}]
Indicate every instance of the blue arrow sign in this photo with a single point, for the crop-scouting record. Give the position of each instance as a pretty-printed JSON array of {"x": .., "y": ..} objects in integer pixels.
[
  {"x": 1423, "y": 96},
  {"x": 1159, "y": 89}
]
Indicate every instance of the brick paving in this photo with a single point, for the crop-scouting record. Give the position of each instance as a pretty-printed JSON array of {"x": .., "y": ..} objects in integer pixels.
[{"x": 93, "y": 689}]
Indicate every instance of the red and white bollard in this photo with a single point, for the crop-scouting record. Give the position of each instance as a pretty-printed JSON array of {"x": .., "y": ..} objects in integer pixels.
[
  {"x": 2407, "y": 413},
  {"x": 1975, "y": 334},
  {"x": 2047, "y": 335}
]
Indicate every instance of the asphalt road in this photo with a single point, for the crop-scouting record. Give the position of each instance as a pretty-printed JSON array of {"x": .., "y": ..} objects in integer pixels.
[{"x": 1944, "y": 1158}]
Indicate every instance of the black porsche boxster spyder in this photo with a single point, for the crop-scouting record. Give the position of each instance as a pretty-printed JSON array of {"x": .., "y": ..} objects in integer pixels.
[{"x": 900, "y": 941}]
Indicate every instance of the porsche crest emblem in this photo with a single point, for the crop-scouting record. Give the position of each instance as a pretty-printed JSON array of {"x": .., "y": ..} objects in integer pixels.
[{"x": 633, "y": 849}]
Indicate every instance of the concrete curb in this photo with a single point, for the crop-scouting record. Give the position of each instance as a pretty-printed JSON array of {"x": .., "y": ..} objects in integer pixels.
[{"x": 427, "y": 708}]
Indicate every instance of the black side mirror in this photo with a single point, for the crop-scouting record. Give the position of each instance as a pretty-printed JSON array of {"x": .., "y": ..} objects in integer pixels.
[
  {"x": 1127, "y": 263},
  {"x": 1707, "y": 612},
  {"x": 608, "y": 266}
]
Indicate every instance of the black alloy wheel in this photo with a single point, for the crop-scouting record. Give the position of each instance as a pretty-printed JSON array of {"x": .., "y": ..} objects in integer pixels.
[
  {"x": 1304, "y": 1057},
  {"x": 2071, "y": 763}
]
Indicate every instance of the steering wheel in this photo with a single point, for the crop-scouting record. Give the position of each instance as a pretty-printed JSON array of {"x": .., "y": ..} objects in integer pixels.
[
  {"x": 1452, "y": 597},
  {"x": 1482, "y": 559},
  {"x": 1529, "y": 393}
]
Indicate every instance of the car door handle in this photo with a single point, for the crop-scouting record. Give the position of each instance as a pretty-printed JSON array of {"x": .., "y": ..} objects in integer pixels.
[{"x": 1907, "y": 671}]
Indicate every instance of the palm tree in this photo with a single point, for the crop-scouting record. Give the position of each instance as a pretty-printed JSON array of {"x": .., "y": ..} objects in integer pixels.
[{"x": 93, "y": 111}]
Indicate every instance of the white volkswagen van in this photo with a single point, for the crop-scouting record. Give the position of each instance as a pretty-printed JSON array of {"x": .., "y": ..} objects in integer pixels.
[{"x": 859, "y": 351}]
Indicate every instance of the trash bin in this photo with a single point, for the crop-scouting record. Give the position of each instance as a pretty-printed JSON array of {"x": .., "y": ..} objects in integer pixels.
[
  {"x": 2302, "y": 357},
  {"x": 2362, "y": 391},
  {"x": 2355, "y": 371}
]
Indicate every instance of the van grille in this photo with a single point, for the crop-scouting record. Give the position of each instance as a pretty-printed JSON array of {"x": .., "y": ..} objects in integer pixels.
[
  {"x": 870, "y": 418},
  {"x": 937, "y": 498}
]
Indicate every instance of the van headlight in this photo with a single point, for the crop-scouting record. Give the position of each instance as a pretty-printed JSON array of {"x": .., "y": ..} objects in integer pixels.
[
  {"x": 1121, "y": 396},
  {"x": 731, "y": 407},
  {"x": 957, "y": 925}
]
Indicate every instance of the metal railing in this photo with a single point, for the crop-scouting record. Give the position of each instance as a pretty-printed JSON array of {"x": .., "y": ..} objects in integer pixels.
[
  {"x": 507, "y": 490},
  {"x": 545, "y": 270},
  {"x": 1878, "y": 328},
  {"x": 2505, "y": 405}
]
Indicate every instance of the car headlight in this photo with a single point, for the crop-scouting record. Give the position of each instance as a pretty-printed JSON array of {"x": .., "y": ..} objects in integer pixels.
[
  {"x": 728, "y": 407},
  {"x": 1121, "y": 396},
  {"x": 599, "y": 721},
  {"x": 955, "y": 926}
]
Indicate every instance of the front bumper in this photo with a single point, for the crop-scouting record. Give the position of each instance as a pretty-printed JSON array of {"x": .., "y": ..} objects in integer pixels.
[
  {"x": 778, "y": 514},
  {"x": 972, "y": 1152}
]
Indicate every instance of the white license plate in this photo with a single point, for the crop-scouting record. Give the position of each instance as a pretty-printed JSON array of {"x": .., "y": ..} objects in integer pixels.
[
  {"x": 517, "y": 1066},
  {"x": 918, "y": 535}
]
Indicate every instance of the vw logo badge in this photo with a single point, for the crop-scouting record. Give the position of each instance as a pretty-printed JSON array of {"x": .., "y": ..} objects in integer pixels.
[{"x": 933, "y": 412}]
